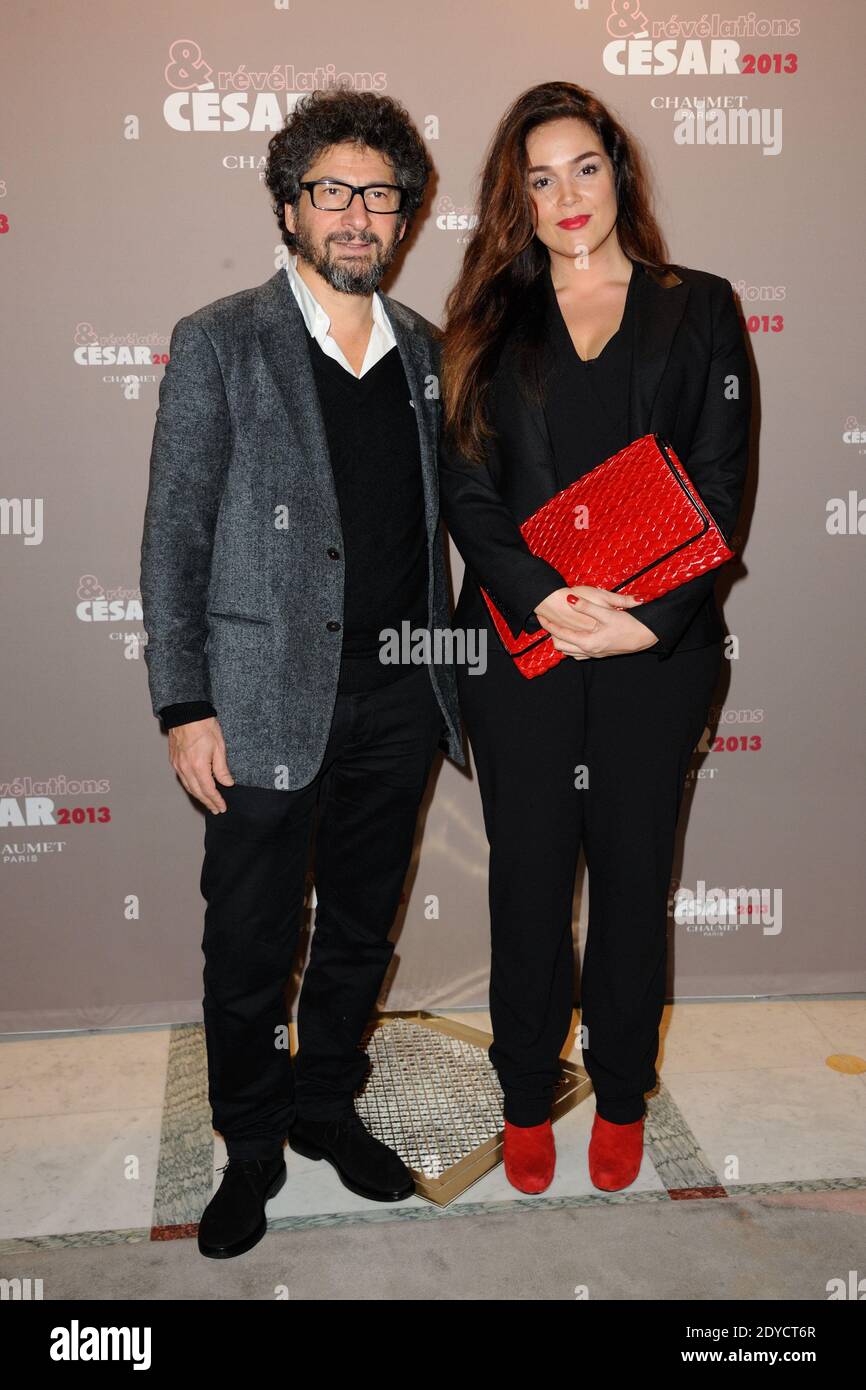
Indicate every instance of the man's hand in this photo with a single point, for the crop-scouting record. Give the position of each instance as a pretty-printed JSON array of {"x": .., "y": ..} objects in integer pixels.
[
  {"x": 596, "y": 624},
  {"x": 197, "y": 752}
]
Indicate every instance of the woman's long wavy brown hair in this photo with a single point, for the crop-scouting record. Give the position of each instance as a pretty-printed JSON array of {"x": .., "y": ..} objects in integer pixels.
[{"x": 499, "y": 289}]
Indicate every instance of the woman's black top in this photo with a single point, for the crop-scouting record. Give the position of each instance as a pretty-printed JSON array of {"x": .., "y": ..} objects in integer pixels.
[{"x": 586, "y": 404}]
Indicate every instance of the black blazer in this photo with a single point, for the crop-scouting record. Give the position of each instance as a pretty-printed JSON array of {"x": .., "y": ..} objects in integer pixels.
[{"x": 687, "y": 345}]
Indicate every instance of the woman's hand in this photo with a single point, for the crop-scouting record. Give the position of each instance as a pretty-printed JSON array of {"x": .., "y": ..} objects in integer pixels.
[{"x": 584, "y": 621}]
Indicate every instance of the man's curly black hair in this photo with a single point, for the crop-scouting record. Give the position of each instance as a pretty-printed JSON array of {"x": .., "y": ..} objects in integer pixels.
[{"x": 330, "y": 115}]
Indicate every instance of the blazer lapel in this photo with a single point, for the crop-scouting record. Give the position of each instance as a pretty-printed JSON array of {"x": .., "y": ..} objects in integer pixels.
[
  {"x": 659, "y": 307},
  {"x": 416, "y": 358},
  {"x": 282, "y": 335}
]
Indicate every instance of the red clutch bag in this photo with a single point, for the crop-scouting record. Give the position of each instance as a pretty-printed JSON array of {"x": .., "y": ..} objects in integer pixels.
[{"x": 634, "y": 524}]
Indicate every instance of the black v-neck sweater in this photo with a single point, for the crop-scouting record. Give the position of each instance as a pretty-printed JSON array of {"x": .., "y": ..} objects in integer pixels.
[{"x": 372, "y": 435}]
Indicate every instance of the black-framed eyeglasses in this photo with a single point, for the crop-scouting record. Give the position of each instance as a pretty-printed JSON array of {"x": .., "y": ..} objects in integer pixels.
[{"x": 332, "y": 195}]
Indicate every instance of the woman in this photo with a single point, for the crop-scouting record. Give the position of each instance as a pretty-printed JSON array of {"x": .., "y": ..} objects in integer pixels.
[{"x": 568, "y": 335}]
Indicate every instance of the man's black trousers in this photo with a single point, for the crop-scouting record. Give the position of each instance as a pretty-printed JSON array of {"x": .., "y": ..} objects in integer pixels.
[{"x": 364, "y": 803}]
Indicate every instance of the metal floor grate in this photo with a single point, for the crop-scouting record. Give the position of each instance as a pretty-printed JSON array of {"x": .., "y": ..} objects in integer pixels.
[{"x": 433, "y": 1096}]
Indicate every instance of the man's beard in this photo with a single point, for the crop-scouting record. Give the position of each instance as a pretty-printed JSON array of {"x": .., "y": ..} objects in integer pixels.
[{"x": 343, "y": 275}]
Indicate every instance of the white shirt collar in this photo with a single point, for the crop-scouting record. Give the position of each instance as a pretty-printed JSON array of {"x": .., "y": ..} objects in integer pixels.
[{"x": 318, "y": 323}]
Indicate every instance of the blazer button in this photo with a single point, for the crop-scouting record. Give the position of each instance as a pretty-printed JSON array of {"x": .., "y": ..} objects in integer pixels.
[
  {"x": 333, "y": 625},
  {"x": 332, "y": 553}
]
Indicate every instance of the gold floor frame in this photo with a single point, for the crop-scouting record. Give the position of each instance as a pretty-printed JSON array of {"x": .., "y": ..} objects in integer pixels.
[{"x": 401, "y": 1098}]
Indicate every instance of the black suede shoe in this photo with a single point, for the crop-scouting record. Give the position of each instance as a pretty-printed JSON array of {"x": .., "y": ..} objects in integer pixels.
[
  {"x": 364, "y": 1164},
  {"x": 234, "y": 1219}
]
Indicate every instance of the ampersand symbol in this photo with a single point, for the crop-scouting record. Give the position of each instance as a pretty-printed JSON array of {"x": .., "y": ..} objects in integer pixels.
[
  {"x": 186, "y": 68},
  {"x": 625, "y": 18}
]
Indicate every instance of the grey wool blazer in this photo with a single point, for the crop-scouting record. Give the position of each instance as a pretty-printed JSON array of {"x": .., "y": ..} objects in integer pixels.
[{"x": 241, "y": 551}]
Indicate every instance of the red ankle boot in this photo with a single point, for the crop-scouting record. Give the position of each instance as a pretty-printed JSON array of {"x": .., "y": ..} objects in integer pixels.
[
  {"x": 529, "y": 1155},
  {"x": 615, "y": 1153}
]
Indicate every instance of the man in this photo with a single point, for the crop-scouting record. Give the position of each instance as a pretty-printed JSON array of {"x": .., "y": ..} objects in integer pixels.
[{"x": 292, "y": 517}]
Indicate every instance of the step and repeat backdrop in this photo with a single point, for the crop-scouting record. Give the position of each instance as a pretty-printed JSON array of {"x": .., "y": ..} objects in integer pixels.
[{"x": 131, "y": 193}]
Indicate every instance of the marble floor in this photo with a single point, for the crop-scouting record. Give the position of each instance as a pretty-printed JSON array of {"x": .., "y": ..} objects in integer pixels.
[{"x": 106, "y": 1137}]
